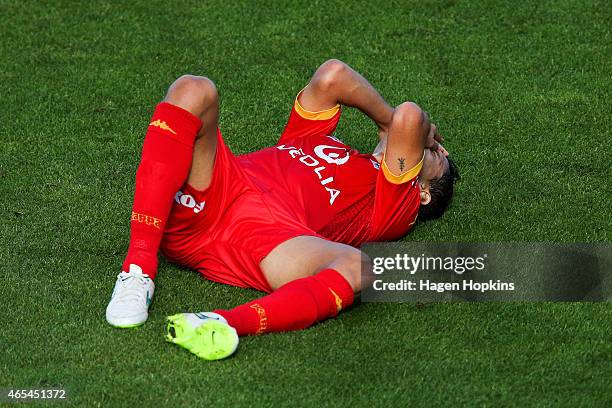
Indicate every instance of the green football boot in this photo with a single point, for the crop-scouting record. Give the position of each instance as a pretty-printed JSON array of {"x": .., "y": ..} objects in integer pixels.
[{"x": 205, "y": 334}]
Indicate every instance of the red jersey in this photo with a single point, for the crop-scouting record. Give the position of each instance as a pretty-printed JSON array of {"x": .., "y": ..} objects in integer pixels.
[{"x": 329, "y": 187}]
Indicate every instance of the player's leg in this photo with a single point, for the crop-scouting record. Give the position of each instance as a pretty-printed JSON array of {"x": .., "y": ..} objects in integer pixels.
[
  {"x": 313, "y": 280},
  {"x": 179, "y": 145},
  {"x": 305, "y": 256},
  {"x": 198, "y": 95}
]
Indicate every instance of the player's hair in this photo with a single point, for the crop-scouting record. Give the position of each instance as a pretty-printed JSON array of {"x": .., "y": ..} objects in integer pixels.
[{"x": 441, "y": 191}]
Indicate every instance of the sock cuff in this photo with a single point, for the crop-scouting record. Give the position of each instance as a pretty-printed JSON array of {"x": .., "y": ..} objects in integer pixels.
[
  {"x": 244, "y": 324},
  {"x": 180, "y": 124},
  {"x": 147, "y": 264},
  {"x": 333, "y": 280}
]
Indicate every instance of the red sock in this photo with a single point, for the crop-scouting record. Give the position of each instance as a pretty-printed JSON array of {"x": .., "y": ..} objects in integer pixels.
[
  {"x": 166, "y": 159},
  {"x": 294, "y": 306}
]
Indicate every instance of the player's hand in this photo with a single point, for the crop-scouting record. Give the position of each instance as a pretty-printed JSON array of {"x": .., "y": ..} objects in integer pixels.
[
  {"x": 434, "y": 138},
  {"x": 442, "y": 150}
]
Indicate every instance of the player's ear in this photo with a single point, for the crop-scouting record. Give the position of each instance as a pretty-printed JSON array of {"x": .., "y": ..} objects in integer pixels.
[{"x": 425, "y": 194}]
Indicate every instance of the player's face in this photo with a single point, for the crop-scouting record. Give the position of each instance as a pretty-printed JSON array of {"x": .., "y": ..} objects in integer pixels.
[{"x": 435, "y": 164}]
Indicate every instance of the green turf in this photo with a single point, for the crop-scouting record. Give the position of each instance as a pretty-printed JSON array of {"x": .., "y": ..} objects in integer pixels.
[{"x": 521, "y": 91}]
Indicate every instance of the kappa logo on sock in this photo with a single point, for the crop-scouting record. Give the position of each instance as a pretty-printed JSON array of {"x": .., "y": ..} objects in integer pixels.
[
  {"x": 147, "y": 220},
  {"x": 162, "y": 125},
  {"x": 263, "y": 319},
  {"x": 338, "y": 300}
]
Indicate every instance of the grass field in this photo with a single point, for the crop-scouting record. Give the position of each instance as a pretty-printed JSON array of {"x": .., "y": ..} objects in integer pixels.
[{"x": 521, "y": 91}]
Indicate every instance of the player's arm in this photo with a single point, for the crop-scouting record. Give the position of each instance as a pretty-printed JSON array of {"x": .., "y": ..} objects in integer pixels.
[
  {"x": 335, "y": 83},
  {"x": 410, "y": 133}
]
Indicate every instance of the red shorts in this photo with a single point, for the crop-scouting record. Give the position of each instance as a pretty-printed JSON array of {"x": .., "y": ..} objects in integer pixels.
[{"x": 225, "y": 231}]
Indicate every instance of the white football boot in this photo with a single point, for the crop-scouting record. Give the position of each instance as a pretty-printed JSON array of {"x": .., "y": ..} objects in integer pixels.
[{"x": 129, "y": 304}]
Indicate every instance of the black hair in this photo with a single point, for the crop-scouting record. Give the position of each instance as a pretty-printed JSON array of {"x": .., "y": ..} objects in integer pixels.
[{"x": 441, "y": 191}]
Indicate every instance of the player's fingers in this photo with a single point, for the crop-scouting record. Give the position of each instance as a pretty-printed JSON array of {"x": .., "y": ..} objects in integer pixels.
[
  {"x": 433, "y": 129},
  {"x": 443, "y": 150},
  {"x": 430, "y": 142},
  {"x": 438, "y": 136},
  {"x": 433, "y": 145}
]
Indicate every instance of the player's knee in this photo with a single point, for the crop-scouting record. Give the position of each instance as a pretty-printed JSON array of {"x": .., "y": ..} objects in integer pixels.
[
  {"x": 328, "y": 74},
  {"x": 367, "y": 271},
  {"x": 349, "y": 265},
  {"x": 193, "y": 93},
  {"x": 408, "y": 114}
]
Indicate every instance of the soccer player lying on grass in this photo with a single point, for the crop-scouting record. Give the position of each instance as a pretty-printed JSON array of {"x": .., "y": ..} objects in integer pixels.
[{"x": 284, "y": 220}]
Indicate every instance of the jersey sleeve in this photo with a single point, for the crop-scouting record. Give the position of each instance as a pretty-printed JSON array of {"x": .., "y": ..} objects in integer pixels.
[
  {"x": 396, "y": 203},
  {"x": 304, "y": 123}
]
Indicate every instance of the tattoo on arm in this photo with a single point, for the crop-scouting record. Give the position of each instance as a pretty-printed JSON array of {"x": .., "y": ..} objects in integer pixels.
[{"x": 402, "y": 163}]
